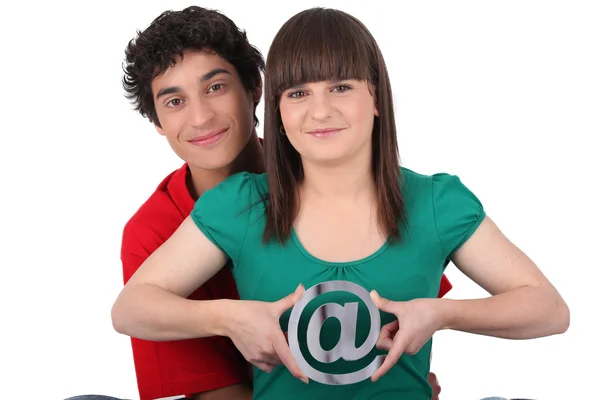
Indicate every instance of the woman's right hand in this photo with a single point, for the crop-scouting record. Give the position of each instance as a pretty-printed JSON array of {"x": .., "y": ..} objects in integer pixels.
[{"x": 254, "y": 329}]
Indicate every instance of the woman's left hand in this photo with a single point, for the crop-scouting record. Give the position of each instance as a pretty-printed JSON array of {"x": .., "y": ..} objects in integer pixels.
[{"x": 416, "y": 322}]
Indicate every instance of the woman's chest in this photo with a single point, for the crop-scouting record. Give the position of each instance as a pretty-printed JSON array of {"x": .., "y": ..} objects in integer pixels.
[
  {"x": 335, "y": 324},
  {"x": 400, "y": 272}
]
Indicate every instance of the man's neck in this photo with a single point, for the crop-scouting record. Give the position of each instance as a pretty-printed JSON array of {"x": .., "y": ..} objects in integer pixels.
[{"x": 251, "y": 159}]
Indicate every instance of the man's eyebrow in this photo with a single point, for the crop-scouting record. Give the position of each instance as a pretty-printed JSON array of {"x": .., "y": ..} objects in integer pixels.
[
  {"x": 207, "y": 76},
  {"x": 168, "y": 90},
  {"x": 212, "y": 73}
]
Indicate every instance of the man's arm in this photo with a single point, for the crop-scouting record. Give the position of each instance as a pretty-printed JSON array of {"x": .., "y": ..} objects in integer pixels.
[{"x": 240, "y": 391}]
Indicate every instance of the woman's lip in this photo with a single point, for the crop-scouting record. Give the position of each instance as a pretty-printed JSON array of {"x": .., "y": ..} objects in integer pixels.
[{"x": 324, "y": 133}]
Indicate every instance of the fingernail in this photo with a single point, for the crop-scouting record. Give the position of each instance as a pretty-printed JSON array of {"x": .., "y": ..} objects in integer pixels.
[{"x": 304, "y": 379}]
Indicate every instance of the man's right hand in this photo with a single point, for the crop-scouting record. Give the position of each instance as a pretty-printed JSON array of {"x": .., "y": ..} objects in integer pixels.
[
  {"x": 254, "y": 329},
  {"x": 435, "y": 386}
]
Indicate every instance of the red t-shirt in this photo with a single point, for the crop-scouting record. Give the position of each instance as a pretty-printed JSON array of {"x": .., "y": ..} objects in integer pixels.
[{"x": 185, "y": 366}]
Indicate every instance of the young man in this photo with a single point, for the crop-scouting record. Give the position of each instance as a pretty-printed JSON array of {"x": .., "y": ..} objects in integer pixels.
[{"x": 196, "y": 77}]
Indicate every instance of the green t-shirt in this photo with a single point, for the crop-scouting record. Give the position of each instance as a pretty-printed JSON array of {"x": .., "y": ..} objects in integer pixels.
[{"x": 441, "y": 215}]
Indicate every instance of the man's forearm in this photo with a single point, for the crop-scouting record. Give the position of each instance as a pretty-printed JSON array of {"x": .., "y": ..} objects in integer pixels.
[
  {"x": 521, "y": 313},
  {"x": 151, "y": 313},
  {"x": 240, "y": 391}
]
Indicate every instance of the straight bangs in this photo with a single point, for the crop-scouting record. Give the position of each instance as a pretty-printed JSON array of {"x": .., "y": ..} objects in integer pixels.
[{"x": 320, "y": 45}]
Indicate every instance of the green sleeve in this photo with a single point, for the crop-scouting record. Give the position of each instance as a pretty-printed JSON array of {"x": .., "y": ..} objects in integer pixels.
[
  {"x": 457, "y": 212},
  {"x": 223, "y": 213}
]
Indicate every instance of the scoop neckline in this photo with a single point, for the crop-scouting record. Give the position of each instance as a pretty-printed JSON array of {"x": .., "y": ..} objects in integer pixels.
[{"x": 357, "y": 262}]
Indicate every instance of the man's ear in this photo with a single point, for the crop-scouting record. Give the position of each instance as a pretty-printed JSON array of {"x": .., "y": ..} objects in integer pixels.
[
  {"x": 258, "y": 92},
  {"x": 159, "y": 130}
]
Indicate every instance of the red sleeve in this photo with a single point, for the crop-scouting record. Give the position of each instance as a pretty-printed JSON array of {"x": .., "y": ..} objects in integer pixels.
[
  {"x": 445, "y": 286},
  {"x": 182, "y": 367}
]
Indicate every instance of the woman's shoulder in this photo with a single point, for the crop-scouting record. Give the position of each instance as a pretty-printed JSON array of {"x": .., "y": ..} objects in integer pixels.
[
  {"x": 239, "y": 186},
  {"x": 415, "y": 183},
  {"x": 223, "y": 212},
  {"x": 412, "y": 180},
  {"x": 446, "y": 193},
  {"x": 236, "y": 193}
]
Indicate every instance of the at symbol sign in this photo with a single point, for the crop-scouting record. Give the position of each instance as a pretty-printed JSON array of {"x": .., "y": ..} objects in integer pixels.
[{"x": 345, "y": 349}]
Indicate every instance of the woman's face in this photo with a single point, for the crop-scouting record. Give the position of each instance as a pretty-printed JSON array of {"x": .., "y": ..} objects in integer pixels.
[{"x": 329, "y": 122}]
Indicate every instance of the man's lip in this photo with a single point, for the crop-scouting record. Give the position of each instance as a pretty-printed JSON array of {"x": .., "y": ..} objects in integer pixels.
[{"x": 208, "y": 135}]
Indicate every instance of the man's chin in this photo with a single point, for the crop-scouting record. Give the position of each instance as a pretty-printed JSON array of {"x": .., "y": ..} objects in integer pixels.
[{"x": 216, "y": 164}]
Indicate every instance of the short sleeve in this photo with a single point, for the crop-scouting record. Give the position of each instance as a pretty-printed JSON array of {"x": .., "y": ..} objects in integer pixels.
[
  {"x": 223, "y": 213},
  {"x": 457, "y": 212}
]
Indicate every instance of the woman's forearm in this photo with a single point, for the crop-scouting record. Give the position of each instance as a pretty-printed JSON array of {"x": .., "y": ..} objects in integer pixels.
[
  {"x": 522, "y": 313},
  {"x": 151, "y": 313}
]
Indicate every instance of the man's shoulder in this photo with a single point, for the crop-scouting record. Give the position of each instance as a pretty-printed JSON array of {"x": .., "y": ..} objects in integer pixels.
[
  {"x": 153, "y": 212},
  {"x": 157, "y": 218}
]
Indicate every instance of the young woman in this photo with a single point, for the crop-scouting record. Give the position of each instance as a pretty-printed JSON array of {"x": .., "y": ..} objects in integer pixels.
[{"x": 335, "y": 205}]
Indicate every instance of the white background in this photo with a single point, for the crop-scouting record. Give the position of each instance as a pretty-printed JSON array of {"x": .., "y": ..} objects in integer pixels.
[{"x": 504, "y": 94}]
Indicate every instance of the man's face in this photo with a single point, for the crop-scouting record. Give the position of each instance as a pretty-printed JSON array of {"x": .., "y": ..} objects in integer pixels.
[{"x": 204, "y": 110}]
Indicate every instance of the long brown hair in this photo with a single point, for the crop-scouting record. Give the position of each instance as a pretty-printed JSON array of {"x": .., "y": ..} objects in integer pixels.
[{"x": 316, "y": 45}]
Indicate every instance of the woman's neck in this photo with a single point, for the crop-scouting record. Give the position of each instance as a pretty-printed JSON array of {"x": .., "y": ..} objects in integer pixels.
[{"x": 351, "y": 180}]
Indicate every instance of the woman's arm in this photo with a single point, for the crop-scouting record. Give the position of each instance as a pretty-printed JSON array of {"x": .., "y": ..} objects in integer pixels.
[
  {"x": 523, "y": 305},
  {"x": 153, "y": 304}
]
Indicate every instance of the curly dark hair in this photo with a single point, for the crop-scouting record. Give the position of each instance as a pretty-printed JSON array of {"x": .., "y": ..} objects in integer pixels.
[{"x": 169, "y": 35}]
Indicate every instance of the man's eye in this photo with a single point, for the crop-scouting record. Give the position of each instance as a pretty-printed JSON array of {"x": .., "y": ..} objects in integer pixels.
[
  {"x": 216, "y": 87},
  {"x": 175, "y": 102}
]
